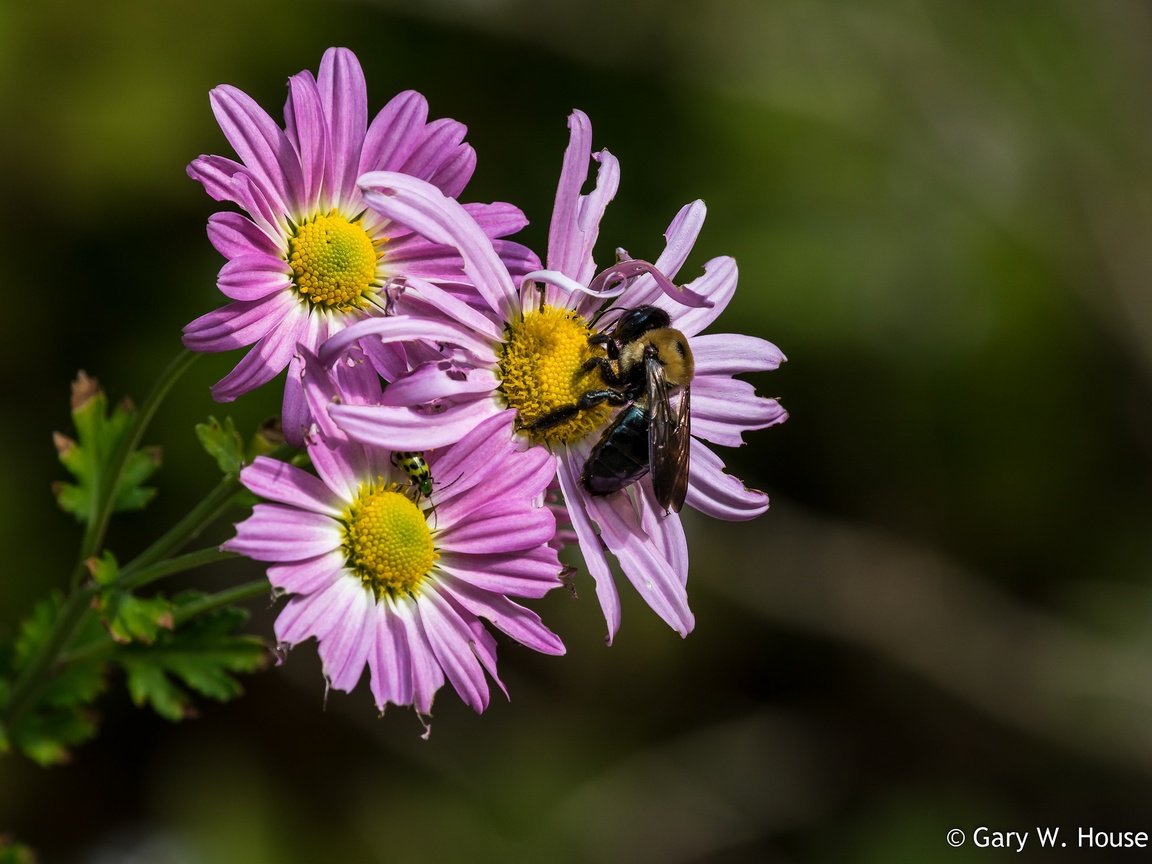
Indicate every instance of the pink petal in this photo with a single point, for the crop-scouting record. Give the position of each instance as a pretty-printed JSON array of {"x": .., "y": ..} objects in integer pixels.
[
  {"x": 427, "y": 674},
  {"x": 590, "y": 546},
  {"x": 718, "y": 284},
  {"x": 254, "y": 276},
  {"x": 678, "y": 242},
  {"x": 642, "y": 562},
  {"x": 733, "y": 353},
  {"x": 438, "y": 143},
  {"x": 344, "y": 651},
  {"x": 502, "y": 525},
  {"x": 263, "y": 148},
  {"x": 309, "y": 135},
  {"x": 450, "y": 639},
  {"x": 498, "y": 219},
  {"x": 509, "y": 618},
  {"x": 393, "y": 133},
  {"x": 237, "y": 324},
  {"x": 310, "y": 575},
  {"x": 723, "y": 408},
  {"x": 455, "y": 309},
  {"x": 423, "y": 208},
  {"x": 233, "y": 235},
  {"x": 575, "y": 217},
  {"x": 530, "y": 573},
  {"x": 717, "y": 494},
  {"x": 455, "y": 171},
  {"x": 665, "y": 529},
  {"x": 344, "y": 96},
  {"x": 343, "y": 466},
  {"x": 406, "y": 429},
  {"x": 283, "y": 483},
  {"x": 405, "y": 328},
  {"x": 390, "y": 664},
  {"x": 215, "y": 173},
  {"x": 430, "y": 382},
  {"x": 275, "y": 532},
  {"x": 317, "y": 615},
  {"x": 266, "y": 359}
]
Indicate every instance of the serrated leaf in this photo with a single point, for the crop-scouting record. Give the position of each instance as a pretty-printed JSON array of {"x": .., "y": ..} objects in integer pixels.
[
  {"x": 203, "y": 655},
  {"x": 129, "y": 618},
  {"x": 223, "y": 443},
  {"x": 149, "y": 685},
  {"x": 99, "y": 433},
  {"x": 48, "y": 737},
  {"x": 58, "y": 718}
]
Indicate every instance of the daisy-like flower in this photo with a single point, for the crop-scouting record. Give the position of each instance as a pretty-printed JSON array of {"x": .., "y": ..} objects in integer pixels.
[
  {"x": 306, "y": 257},
  {"x": 530, "y": 352},
  {"x": 383, "y": 576}
]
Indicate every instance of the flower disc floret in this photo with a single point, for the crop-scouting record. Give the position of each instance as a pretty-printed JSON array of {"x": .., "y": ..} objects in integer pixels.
[
  {"x": 333, "y": 262},
  {"x": 387, "y": 542},
  {"x": 543, "y": 368}
]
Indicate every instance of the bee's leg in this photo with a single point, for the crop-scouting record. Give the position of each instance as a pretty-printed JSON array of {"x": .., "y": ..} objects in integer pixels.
[
  {"x": 607, "y": 369},
  {"x": 588, "y": 400}
]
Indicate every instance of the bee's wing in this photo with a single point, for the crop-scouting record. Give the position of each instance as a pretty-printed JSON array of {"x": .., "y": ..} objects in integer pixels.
[{"x": 669, "y": 439}]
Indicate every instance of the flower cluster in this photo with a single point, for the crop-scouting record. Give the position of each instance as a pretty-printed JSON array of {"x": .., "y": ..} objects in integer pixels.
[{"x": 467, "y": 408}]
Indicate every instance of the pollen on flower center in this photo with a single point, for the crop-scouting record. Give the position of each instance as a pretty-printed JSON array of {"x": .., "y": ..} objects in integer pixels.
[
  {"x": 333, "y": 262},
  {"x": 542, "y": 369},
  {"x": 387, "y": 542}
]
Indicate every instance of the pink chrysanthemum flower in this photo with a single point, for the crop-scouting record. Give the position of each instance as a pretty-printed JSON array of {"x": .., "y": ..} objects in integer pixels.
[
  {"x": 528, "y": 351},
  {"x": 306, "y": 257},
  {"x": 384, "y": 576}
]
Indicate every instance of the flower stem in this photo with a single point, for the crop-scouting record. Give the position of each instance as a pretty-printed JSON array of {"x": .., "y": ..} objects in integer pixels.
[
  {"x": 97, "y": 649},
  {"x": 107, "y": 481},
  {"x": 228, "y": 597},
  {"x": 133, "y": 576},
  {"x": 196, "y": 520}
]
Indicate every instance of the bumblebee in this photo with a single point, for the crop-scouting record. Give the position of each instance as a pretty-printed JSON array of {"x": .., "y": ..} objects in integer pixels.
[
  {"x": 648, "y": 362},
  {"x": 415, "y": 466}
]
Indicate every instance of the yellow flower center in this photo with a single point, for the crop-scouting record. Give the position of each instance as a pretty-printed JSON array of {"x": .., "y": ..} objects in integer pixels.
[
  {"x": 387, "y": 542},
  {"x": 542, "y": 369},
  {"x": 334, "y": 262}
]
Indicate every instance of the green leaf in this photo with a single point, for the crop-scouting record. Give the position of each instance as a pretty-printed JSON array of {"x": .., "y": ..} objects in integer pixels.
[
  {"x": 222, "y": 443},
  {"x": 126, "y": 617},
  {"x": 58, "y": 718},
  {"x": 98, "y": 435},
  {"x": 202, "y": 656}
]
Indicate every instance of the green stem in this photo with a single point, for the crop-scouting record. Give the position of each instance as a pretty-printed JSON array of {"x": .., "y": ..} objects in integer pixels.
[
  {"x": 133, "y": 577},
  {"x": 214, "y": 504},
  {"x": 100, "y": 648},
  {"x": 228, "y": 597},
  {"x": 107, "y": 481}
]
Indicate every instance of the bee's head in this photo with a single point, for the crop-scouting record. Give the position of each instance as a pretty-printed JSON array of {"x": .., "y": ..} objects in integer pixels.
[{"x": 636, "y": 322}]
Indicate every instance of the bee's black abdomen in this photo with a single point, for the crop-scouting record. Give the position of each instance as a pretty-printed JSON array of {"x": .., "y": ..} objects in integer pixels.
[{"x": 620, "y": 458}]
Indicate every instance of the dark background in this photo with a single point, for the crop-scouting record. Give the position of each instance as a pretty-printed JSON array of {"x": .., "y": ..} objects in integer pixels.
[{"x": 942, "y": 213}]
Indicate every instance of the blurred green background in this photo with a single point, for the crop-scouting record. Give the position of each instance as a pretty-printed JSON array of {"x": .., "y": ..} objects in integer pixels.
[{"x": 942, "y": 212}]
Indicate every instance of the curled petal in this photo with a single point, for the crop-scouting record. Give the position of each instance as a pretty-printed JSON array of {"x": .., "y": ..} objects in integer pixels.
[{"x": 621, "y": 272}]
